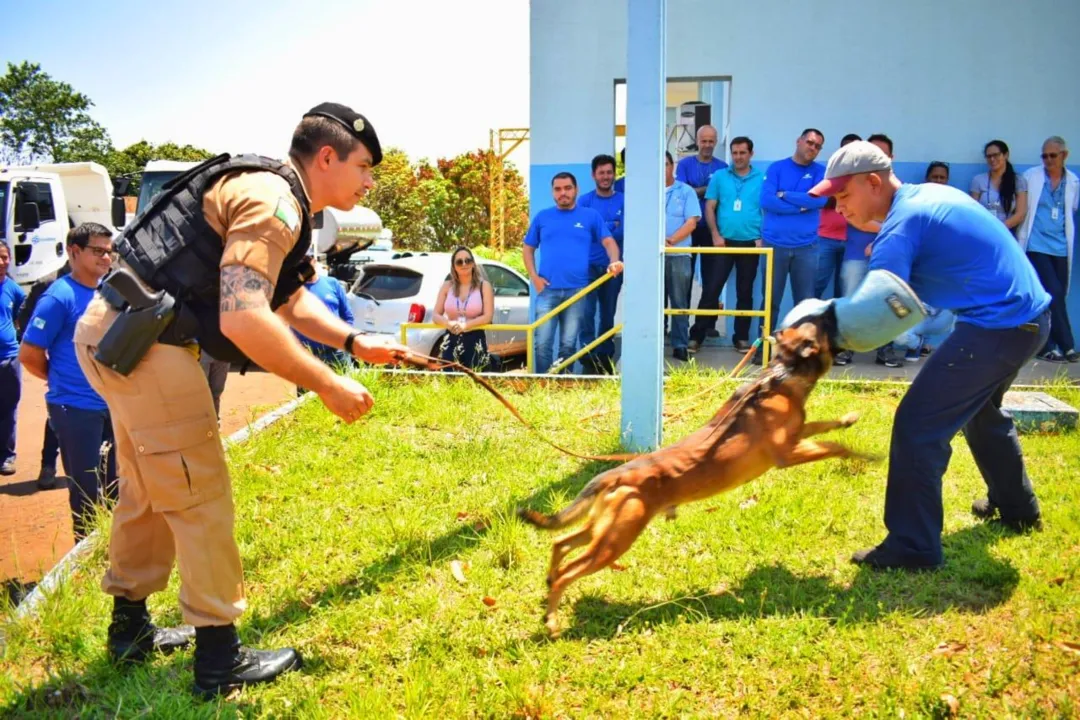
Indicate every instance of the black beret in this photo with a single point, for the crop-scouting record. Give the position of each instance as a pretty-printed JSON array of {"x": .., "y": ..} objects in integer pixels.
[{"x": 357, "y": 125}]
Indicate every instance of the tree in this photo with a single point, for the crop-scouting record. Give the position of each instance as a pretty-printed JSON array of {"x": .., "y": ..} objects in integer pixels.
[
  {"x": 42, "y": 119},
  {"x": 131, "y": 161},
  {"x": 465, "y": 217},
  {"x": 397, "y": 200}
]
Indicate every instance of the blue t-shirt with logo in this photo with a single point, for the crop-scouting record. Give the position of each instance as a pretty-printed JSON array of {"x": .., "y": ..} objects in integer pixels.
[
  {"x": 697, "y": 174},
  {"x": 791, "y": 221},
  {"x": 333, "y": 296},
  {"x": 564, "y": 239},
  {"x": 11, "y": 299},
  {"x": 857, "y": 240},
  {"x": 956, "y": 256},
  {"x": 52, "y": 327},
  {"x": 611, "y": 209}
]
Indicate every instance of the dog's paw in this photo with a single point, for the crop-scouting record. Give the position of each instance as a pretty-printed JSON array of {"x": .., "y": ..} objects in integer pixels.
[{"x": 850, "y": 419}]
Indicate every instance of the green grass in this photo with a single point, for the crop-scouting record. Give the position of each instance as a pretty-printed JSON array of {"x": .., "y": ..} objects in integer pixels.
[{"x": 744, "y": 605}]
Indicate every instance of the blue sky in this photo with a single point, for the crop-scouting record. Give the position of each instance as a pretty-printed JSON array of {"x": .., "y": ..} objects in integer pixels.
[{"x": 236, "y": 75}]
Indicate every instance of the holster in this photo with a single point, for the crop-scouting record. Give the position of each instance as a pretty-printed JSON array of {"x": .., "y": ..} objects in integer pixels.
[{"x": 142, "y": 319}]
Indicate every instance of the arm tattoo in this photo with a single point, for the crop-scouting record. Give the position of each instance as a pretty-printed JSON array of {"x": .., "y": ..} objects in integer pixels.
[{"x": 243, "y": 289}]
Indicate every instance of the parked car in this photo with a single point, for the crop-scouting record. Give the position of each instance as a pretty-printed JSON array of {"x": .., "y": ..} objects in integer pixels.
[{"x": 404, "y": 288}]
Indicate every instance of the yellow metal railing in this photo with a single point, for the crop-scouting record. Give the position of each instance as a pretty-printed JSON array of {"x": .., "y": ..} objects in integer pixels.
[
  {"x": 530, "y": 328},
  {"x": 765, "y": 314}
]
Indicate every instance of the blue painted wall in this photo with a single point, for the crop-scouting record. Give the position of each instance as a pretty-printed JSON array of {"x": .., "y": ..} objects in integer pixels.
[{"x": 940, "y": 77}]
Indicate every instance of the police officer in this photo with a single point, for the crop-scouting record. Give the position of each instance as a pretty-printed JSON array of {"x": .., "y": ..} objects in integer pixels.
[
  {"x": 220, "y": 255},
  {"x": 939, "y": 243}
]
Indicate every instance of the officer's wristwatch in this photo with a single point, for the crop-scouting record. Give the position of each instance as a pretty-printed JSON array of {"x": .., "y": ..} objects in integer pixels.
[{"x": 349, "y": 342}]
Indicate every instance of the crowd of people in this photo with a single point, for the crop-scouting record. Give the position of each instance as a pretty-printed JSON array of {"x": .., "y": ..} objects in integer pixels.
[{"x": 817, "y": 252}]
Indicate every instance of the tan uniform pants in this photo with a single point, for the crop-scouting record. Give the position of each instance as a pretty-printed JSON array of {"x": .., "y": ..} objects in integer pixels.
[{"x": 175, "y": 497}]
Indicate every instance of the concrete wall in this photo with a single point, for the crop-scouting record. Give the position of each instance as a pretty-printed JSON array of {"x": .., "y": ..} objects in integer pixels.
[{"x": 941, "y": 77}]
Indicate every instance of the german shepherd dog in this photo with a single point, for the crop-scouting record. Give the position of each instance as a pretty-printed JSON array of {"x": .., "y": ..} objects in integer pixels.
[{"x": 762, "y": 426}]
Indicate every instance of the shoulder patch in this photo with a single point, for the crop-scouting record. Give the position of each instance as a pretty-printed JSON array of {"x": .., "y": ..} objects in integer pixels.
[
  {"x": 287, "y": 214},
  {"x": 39, "y": 323}
]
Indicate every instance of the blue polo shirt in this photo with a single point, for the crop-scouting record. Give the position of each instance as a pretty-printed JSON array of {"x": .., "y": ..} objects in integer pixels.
[
  {"x": 611, "y": 210},
  {"x": 52, "y": 327},
  {"x": 1047, "y": 234},
  {"x": 11, "y": 299},
  {"x": 738, "y": 203},
  {"x": 333, "y": 296},
  {"x": 697, "y": 174},
  {"x": 564, "y": 239},
  {"x": 956, "y": 256},
  {"x": 791, "y": 221},
  {"x": 680, "y": 204}
]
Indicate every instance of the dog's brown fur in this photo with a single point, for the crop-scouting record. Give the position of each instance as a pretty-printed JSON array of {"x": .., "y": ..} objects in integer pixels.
[{"x": 762, "y": 426}]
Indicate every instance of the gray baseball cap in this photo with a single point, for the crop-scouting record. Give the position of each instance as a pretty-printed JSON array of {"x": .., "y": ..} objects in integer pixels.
[{"x": 855, "y": 158}]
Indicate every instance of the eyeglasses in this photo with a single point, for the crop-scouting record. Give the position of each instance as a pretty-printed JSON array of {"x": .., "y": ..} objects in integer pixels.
[
  {"x": 993, "y": 156},
  {"x": 463, "y": 261},
  {"x": 815, "y": 145},
  {"x": 1050, "y": 156},
  {"x": 101, "y": 252}
]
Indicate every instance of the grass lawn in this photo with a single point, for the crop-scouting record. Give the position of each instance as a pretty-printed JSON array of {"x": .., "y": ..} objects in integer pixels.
[{"x": 744, "y": 605}]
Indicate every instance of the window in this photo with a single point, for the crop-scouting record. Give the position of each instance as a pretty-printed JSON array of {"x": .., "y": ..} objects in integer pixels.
[
  {"x": 505, "y": 283},
  {"x": 389, "y": 283},
  {"x": 44, "y": 199},
  {"x": 3, "y": 208}
]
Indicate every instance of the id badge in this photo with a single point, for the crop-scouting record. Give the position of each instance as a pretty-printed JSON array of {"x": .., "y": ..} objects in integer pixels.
[
  {"x": 737, "y": 205},
  {"x": 1054, "y": 213}
]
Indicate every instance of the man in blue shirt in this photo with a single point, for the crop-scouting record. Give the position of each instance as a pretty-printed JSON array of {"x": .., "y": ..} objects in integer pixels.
[
  {"x": 791, "y": 220},
  {"x": 697, "y": 171},
  {"x": 78, "y": 414},
  {"x": 564, "y": 234},
  {"x": 733, "y": 214},
  {"x": 330, "y": 291},
  {"x": 11, "y": 299},
  {"x": 600, "y": 304},
  {"x": 682, "y": 211},
  {"x": 941, "y": 244}
]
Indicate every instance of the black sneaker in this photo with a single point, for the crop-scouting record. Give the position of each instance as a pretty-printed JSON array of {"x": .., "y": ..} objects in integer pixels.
[
  {"x": 8, "y": 468},
  {"x": 844, "y": 357},
  {"x": 680, "y": 354},
  {"x": 1072, "y": 356},
  {"x": 1053, "y": 356},
  {"x": 742, "y": 346},
  {"x": 888, "y": 358},
  {"x": 693, "y": 346},
  {"x": 881, "y": 558},
  {"x": 46, "y": 479}
]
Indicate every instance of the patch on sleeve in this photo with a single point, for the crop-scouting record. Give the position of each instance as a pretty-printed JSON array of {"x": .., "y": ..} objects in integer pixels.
[
  {"x": 898, "y": 307},
  {"x": 39, "y": 323},
  {"x": 287, "y": 214}
]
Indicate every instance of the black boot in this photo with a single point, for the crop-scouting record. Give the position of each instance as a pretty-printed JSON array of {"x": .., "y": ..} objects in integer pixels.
[
  {"x": 222, "y": 664},
  {"x": 132, "y": 637}
]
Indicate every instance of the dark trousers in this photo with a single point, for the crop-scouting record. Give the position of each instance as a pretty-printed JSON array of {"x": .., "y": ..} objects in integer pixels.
[
  {"x": 1054, "y": 275},
  {"x": 599, "y": 317},
  {"x": 93, "y": 474},
  {"x": 50, "y": 447},
  {"x": 960, "y": 388},
  {"x": 10, "y": 392},
  {"x": 715, "y": 271},
  {"x": 701, "y": 237}
]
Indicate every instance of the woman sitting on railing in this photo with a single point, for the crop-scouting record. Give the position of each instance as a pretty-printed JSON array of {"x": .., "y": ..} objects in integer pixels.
[{"x": 466, "y": 301}]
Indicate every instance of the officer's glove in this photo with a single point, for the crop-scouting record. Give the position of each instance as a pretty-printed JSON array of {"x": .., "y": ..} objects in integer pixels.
[{"x": 881, "y": 308}]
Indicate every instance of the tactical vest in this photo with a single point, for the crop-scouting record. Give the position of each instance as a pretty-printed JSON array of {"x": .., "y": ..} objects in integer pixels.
[{"x": 172, "y": 247}]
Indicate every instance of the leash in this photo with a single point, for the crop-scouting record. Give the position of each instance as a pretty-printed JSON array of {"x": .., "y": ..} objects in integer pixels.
[{"x": 427, "y": 362}]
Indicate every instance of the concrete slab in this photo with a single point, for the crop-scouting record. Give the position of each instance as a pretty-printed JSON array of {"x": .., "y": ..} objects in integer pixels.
[{"x": 1039, "y": 412}]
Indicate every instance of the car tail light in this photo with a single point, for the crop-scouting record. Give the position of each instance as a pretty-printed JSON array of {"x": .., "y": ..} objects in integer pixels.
[{"x": 416, "y": 313}]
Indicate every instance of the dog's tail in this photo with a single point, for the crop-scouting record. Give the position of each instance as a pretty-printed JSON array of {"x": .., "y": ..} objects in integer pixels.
[{"x": 572, "y": 512}]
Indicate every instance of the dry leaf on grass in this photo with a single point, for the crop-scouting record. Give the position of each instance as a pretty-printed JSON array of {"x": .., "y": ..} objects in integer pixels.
[
  {"x": 748, "y": 502},
  {"x": 952, "y": 703},
  {"x": 1058, "y": 581},
  {"x": 462, "y": 515},
  {"x": 489, "y": 601},
  {"x": 458, "y": 571},
  {"x": 1069, "y": 647},
  {"x": 949, "y": 648}
]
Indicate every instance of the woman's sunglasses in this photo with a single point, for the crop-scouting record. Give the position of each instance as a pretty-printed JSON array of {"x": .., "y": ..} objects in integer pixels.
[{"x": 463, "y": 261}]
